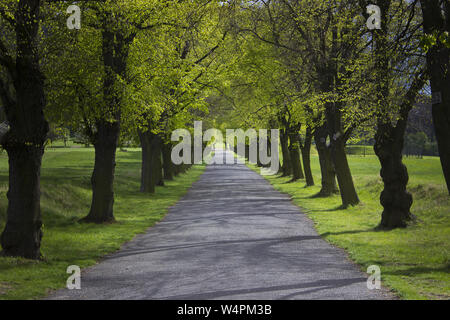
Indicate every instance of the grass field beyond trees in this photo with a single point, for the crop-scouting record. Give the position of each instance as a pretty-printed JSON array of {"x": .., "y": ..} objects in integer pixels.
[
  {"x": 65, "y": 198},
  {"x": 414, "y": 262}
]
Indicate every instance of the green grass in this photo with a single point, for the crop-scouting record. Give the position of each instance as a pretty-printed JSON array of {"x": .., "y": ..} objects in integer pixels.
[
  {"x": 414, "y": 262},
  {"x": 66, "y": 198}
]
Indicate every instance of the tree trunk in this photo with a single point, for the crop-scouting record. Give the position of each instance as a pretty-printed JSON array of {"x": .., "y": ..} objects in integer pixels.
[
  {"x": 326, "y": 166},
  {"x": 294, "y": 152},
  {"x": 395, "y": 200},
  {"x": 114, "y": 54},
  {"x": 102, "y": 179},
  {"x": 22, "y": 234},
  {"x": 167, "y": 161},
  {"x": 338, "y": 156},
  {"x": 176, "y": 170},
  {"x": 151, "y": 169},
  {"x": 343, "y": 174},
  {"x": 286, "y": 167},
  {"x": 438, "y": 60},
  {"x": 389, "y": 138},
  {"x": 247, "y": 152},
  {"x": 306, "y": 157},
  {"x": 147, "y": 181},
  {"x": 336, "y": 129},
  {"x": 258, "y": 160},
  {"x": 157, "y": 160},
  {"x": 24, "y": 142}
]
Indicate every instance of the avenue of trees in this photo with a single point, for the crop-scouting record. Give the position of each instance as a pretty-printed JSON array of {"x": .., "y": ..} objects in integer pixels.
[{"x": 139, "y": 69}]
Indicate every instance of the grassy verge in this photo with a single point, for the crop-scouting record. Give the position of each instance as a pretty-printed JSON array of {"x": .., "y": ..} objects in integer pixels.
[
  {"x": 66, "y": 198},
  {"x": 414, "y": 262}
]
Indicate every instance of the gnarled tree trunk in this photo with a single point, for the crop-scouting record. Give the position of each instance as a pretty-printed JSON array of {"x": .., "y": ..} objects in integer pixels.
[
  {"x": 395, "y": 199},
  {"x": 389, "y": 138}
]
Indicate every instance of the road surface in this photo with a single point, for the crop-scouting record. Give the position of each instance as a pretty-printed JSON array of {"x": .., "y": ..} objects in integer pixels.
[{"x": 232, "y": 236}]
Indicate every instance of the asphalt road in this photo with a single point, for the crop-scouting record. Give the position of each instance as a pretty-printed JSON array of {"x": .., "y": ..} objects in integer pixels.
[{"x": 232, "y": 236}]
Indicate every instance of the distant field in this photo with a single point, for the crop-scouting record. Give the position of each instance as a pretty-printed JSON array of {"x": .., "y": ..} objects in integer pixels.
[
  {"x": 66, "y": 198},
  {"x": 415, "y": 262}
]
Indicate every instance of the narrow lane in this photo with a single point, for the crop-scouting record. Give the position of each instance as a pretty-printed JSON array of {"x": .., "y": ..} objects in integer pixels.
[{"x": 231, "y": 237}]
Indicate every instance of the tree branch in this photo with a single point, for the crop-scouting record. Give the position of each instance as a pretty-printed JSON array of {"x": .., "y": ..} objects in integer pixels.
[{"x": 212, "y": 49}]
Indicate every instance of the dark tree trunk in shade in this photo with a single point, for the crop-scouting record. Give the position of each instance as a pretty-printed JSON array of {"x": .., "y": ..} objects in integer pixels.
[
  {"x": 151, "y": 165},
  {"x": 102, "y": 179},
  {"x": 258, "y": 160},
  {"x": 286, "y": 166},
  {"x": 147, "y": 178},
  {"x": 176, "y": 170},
  {"x": 25, "y": 140},
  {"x": 167, "y": 161},
  {"x": 266, "y": 150},
  {"x": 157, "y": 164},
  {"x": 305, "y": 148},
  {"x": 22, "y": 234},
  {"x": 294, "y": 153},
  {"x": 438, "y": 61},
  {"x": 389, "y": 140},
  {"x": 326, "y": 166}
]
